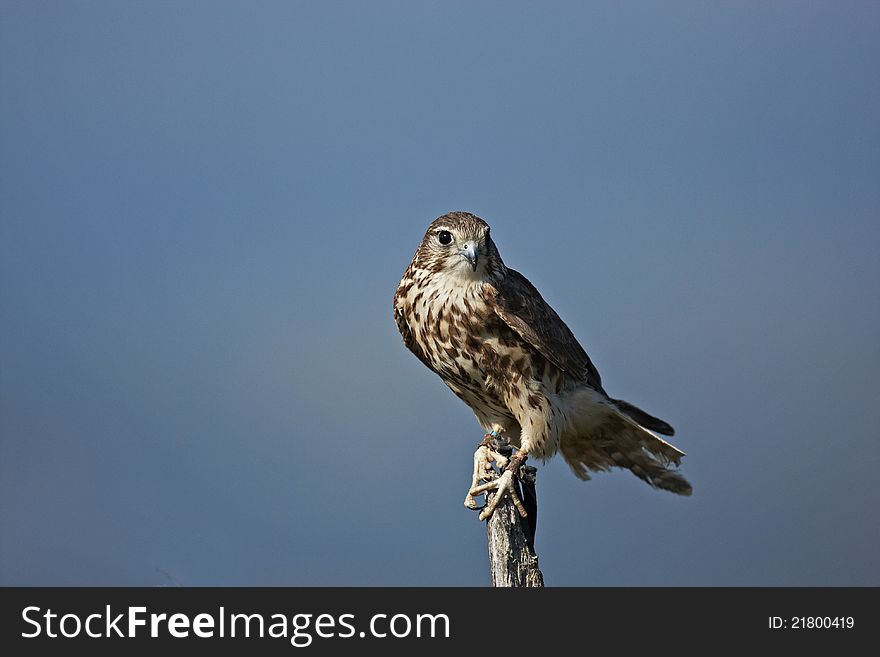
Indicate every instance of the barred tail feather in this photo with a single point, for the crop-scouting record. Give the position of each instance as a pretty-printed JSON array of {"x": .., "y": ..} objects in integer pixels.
[
  {"x": 657, "y": 475},
  {"x": 603, "y": 436}
]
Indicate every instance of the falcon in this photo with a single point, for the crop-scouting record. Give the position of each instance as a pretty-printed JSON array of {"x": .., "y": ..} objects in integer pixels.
[{"x": 491, "y": 337}]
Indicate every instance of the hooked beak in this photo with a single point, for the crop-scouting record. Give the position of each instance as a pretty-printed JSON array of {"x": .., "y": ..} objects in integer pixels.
[{"x": 470, "y": 253}]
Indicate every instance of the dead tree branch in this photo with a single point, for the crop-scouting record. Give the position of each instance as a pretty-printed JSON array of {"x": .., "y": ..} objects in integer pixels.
[{"x": 511, "y": 538}]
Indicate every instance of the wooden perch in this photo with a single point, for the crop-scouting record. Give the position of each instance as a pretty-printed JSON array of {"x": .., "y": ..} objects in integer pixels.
[{"x": 512, "y": 558}]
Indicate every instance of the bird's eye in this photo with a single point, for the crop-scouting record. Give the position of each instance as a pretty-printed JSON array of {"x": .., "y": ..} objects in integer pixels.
[{"x": 444, "y": 237}]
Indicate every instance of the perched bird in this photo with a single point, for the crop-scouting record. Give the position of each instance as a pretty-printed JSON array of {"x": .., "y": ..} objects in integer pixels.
[{"x": 488, "y": 333}]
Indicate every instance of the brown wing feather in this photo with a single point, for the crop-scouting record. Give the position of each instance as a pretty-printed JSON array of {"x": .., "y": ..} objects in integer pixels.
[
  {"x": 519, "y": 304},
  {"x": 409, "y": 340}
]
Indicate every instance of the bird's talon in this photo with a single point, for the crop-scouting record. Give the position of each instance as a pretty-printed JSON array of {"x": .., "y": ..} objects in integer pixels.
[
  {"x": 502, "y": 486},
  {"x": 471, "y": 503}
]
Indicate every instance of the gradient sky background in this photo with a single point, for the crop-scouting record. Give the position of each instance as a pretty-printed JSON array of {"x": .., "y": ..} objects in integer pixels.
[{"x": 206, "y": 208}]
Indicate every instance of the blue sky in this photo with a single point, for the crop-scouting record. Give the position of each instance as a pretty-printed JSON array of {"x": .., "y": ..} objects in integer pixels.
[{"x": 205, "y": 208}]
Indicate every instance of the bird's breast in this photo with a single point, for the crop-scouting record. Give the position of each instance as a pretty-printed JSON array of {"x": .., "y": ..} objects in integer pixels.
[{"x": 451, "y": 329}]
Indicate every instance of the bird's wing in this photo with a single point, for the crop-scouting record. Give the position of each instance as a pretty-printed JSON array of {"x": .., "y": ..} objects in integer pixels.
[
  {"x": 409, "y": 339},
  {"x": 519, "y": 304}
]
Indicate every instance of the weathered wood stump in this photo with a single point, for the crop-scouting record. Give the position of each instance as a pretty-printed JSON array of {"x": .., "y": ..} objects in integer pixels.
[{"x": 512, "y": 558}]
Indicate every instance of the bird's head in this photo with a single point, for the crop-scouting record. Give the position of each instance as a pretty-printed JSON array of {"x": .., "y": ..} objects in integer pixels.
[{"x": 459, "y": 243}]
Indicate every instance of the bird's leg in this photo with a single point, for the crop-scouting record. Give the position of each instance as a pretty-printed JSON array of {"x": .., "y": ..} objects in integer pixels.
[
  {"x": 493, "y": 449},
  {"x": 482, "y": 470},
  {"x": 517, "y": 461},
  {"x": 504, "y": 485}
]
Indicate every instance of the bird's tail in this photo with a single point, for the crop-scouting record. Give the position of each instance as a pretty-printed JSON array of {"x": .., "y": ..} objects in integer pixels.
[
  {"x": 608, "y": 435},
  {"x": 642, "y": 418}
]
